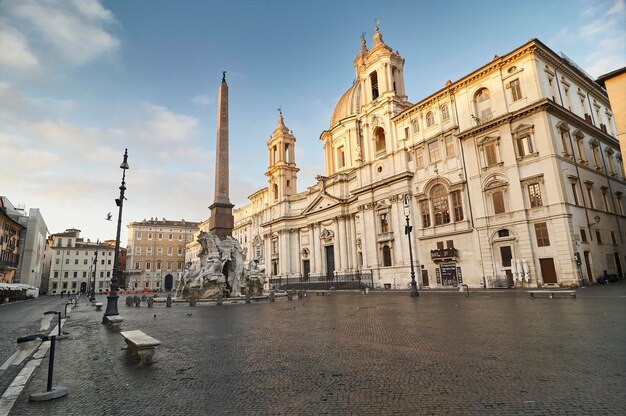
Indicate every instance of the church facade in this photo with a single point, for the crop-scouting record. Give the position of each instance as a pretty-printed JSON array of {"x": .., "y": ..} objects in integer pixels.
[{"x": 510, "y": 176}]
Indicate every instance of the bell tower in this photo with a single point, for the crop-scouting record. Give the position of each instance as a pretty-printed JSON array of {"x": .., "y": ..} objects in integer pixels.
[{"x": 282, "y": 171}]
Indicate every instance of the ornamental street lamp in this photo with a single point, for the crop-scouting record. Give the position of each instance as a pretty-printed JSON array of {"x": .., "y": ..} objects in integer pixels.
[
  {"x": 92, "y": 296},
  {"x": 112, "y": 297},
  {"x": 407, "y": 230}
]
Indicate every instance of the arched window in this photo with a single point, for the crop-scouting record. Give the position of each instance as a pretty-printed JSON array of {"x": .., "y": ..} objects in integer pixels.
[
  {"x": 287, "y": 157},
  {"x": 482, "y": 102},
  {"x": 275, "y": 188},
  {"x": 274, "y": 155},
  {"x": 430, "y": 119},
  {"x": 374, "y": 81},
  {"x": 445, "y": 114},
  {"x": 386, "y": 256},
  {"x": 441, "y": 209},
  {"x": 379, "y": 136}
]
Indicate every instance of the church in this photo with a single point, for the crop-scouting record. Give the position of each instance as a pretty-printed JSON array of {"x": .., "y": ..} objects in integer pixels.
[{"x": 510, "y": 177}]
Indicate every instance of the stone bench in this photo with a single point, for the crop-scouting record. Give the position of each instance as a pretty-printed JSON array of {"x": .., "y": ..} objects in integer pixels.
[
  {"x": 114, "y": 322},
  {"x": 98, "y": 306},
  {"x": 552, "y": 293},
  {"x": 141, "y": 345}
]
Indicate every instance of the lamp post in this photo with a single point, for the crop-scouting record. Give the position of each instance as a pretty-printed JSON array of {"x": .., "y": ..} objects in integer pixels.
[
  {"x": 407, "y": 230},
  {"x": 112, "y": 297},
  {"x": 92, "y": 296}
]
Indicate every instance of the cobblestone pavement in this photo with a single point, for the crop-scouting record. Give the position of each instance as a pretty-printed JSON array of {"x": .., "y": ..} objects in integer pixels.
[
  {"x": 17, "y": 320},
  {"x": 492, "y": 353}
]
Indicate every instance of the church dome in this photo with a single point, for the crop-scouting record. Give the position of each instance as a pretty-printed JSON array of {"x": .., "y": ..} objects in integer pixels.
[{"x": 348, "y": 105}]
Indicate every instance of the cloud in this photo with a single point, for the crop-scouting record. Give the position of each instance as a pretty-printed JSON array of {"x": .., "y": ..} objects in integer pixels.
[
  {"x": 201, "y": 100},
  {"x": 14, "y": 50},
  {"x": 78, "y": 32},
  {"x": 601, "y": 28},
  {"x": 163, "y": 125}
]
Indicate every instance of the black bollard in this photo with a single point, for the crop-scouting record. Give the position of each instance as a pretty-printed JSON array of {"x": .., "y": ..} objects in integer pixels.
[
  {"x": 220, "y": 299},
  {"x": 168, "y": 301},
  {"x": 290, "y": 295},
  {"x": 272, "y": 296},
  {"x": 248, "y": 297},
  {"x": 50, "y": 393},
  {"x": 150, "y": 302}
]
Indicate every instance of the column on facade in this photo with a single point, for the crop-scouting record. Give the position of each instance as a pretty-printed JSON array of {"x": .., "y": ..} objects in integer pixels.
[
  {"x": 353, "y": 247},
  {"x": 283, "y": 253},
  {"x": 401, "y": 255},
  {"x": 343, "y": 242},
  {"x": 298, "y": 259},
  {"x": 318, "y": 247},
  {"x": 267, "y": 248},
  {"x": 389, "y": 77},
  {"x": 363, "y": 240},
  {"x": 313, "y": 250}
]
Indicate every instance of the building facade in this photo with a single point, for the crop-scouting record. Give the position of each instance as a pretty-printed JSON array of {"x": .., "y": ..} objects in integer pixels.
[
  {"x": 511, "y": 176},
  {"x": 75, "y": 262},
  {"x": 156, "y": 253},
  {"x": 10, "y": 233}
]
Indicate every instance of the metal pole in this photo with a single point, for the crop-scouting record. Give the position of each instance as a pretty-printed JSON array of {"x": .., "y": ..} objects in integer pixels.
[
  {"x": 112, "y": 297},
  {"x": 408, "y": 230},
  {"x": 53, "y": 340},
  {"x": 59, "y": 314}
]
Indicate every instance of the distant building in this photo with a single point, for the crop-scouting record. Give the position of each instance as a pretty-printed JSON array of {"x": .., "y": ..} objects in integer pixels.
[
  {"x": 513, "y": 177},
  {"x": 74, "y": 261},
  {"x": 156, "y": 253},
  {"x": 121, "y": 282}
]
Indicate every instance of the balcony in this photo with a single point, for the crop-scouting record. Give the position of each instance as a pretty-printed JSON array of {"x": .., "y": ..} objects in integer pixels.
[
  {"x": 444, "y": 254},
  {"x": 382, "y": 237},
  {"x": 9, "y": 260}
]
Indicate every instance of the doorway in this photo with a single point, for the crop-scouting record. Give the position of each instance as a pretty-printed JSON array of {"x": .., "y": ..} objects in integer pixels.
[
  {"x": 306, "y": 269},
  {"x": 548, "y": 272},
  {"x": 425, "y": 278},
  {"x": 83, "y": 287},
  {"x": 588, "y": 266},
  {"x": 169, "y": 282},
  {"x": 619, "y": 266},
  {"x": 330, "y": 261}
]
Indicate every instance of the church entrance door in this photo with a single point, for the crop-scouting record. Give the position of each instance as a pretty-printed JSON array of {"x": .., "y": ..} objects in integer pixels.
[{"x": 330, "y": 262}]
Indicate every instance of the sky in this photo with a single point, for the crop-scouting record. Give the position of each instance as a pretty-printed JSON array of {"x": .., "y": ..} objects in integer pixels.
[{"x": 81, "y": 80}]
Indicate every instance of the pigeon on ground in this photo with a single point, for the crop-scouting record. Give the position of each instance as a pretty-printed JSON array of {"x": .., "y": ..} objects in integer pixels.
[{"x": 189, "y": 314}]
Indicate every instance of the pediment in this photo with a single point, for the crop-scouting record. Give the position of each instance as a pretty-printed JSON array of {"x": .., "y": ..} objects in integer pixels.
[{"x": 322, "y": 201}]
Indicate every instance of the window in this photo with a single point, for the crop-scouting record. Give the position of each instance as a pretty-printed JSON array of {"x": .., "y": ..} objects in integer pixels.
[
  {"x": 516, "y": 90},
  {"x": 598, "y": 237},
  {"x": 384, "y": 223},
  {"x": 503, "y": 233},
  {"x": 415, "y": 125},
  {"x": 590, "y": 196},
  {"x": 620, "y": 205},
  {"x": 275, "y": 188},
  {"x": 524, "y": 146},
  {"x": 441, "y": 211},
  {"x": 138, "y": 250},
  {"x": 379, "y": 137},
  {"x": 445, "y": 114},
  {"x": 457, "y": 205},
  {"x": 159, "y": 250},
  {"x": 498, "y": 202},
  {"x": 613, "y": 238},
  {"x": 160, "y": 236},
  {"x": 180, "y": 265},
  {"x": 67, "y": 261},
  {"x": 575, "y": 192},
  {"x": 450, "y": 147},
  {"x": 433, "y": 152},
  {"x": 109, "y": 261},
  {"x": 66, "y": 274},
  {"x": 341, "y": 161},
  {"x": 534, "y": 193},
  {"x": 406, "y": 132},
  {"x": 56, "y": 274},
  {"x": 85, "y": 261},
  {"x": 180, "y": 251},
  {"x": 136, "y": 265},
  {"x": 374, "y": 82},
  {"x": 158, "y": 265},
  {"x": 490, "y": 154},
  {"x": 149, "y": 236},
  {"x": 583, "y": 235},
  {"x": 541, "y": 231},
  {"x": 419, "y": 158},
  {"x": 56, "y": 261},
  {"x": 596, "y": 155},
  {"x": 149, "y": 250},
  {"x": 605, "y": 201},
  {"x": 170, "y": 237},
  {"x": 386, "y": 256},
  {"x": 138, "y": 235},
  {"x": 170, "y": 250},
  {"x": 148, "y": 265},
  {"x": 482, "y": 102},
  {"x": 425, "y": 210},
  {"x": 430, "y": 119}
]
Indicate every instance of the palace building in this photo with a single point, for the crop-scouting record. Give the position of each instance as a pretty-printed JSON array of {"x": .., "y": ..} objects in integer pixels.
[{"x": 512, "y": 174}]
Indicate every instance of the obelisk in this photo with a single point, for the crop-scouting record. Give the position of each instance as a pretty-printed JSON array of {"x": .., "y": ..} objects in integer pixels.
[{"x": 221, "y": 221}]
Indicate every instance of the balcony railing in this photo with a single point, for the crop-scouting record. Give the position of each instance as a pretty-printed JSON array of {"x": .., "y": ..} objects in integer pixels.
[
  {"x": 9, "y": 260},
  {"x": 444, "y": 254}
]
